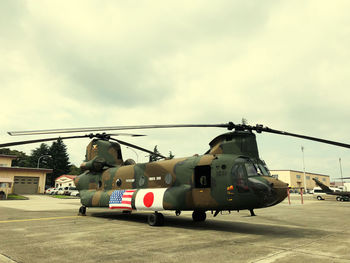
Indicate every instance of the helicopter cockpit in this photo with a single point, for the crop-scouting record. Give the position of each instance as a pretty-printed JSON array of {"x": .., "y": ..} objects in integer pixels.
[{"x": 253, "y": 177}]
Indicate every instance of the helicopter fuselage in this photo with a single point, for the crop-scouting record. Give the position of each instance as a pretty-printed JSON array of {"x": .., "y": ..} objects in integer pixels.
[{"x": 201, "y": 182}]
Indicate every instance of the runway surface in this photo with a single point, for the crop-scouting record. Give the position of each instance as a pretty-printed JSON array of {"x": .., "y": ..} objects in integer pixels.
[{"x": 45, "y": 229}]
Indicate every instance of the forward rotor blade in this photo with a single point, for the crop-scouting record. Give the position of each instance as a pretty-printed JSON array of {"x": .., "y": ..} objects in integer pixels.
[
  {"x": 41, "y": 140},
  {"x": 92, "y": 129},
  {"x": 126, "y": 134},
  {"x": 137, "y": 147},
  {"x": 230, "y": 125},
  {"x": 260, "y": 128}
]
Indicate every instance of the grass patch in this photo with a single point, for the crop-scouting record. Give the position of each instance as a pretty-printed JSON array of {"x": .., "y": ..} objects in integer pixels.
[
  {"x": 63, "y": 196},
  {"x": 16, "y": 197}
]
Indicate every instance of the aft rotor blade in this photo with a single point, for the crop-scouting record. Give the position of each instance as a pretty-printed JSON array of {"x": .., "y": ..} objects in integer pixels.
[
  {"x": 111, "y": 128},
  {"x": 137, "y": 147},
  {"x": 41, "y": 140}
]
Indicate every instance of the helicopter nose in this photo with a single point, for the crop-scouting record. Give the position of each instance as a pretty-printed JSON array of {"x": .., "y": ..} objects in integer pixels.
[
  {"x": 270, "y": 191},
  {"x": 279, "y": 190}
]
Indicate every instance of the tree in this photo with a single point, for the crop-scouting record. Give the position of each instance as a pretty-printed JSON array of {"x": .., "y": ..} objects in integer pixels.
[
  {"x": 171, "y": 155},
  {"x": 74, "y": 170},
  {"x": 59, "y": 161},
  {"x": 41, "y": 153},
  {"x": 154, "y": 157}
]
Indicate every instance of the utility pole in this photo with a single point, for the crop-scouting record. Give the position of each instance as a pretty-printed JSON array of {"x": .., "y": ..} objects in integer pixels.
[
  {"x": 341, "y": 173},
  {"x": 302, "y": 150}
]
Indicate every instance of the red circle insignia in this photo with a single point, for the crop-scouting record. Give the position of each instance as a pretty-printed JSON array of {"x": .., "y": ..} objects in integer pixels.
[{"x": 148, "y": 199}]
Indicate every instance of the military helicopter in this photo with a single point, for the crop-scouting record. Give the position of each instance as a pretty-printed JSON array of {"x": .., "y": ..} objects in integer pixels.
[{"x": 230, "y": 176}]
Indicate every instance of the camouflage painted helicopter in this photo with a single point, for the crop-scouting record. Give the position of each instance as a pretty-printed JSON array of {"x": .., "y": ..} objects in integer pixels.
[{"x": 230, "y": 176}]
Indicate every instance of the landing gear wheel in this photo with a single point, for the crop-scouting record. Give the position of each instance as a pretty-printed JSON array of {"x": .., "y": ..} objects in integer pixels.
[
  {"x": 156, "y": 219},
  {"x": 199, "y": 216},
  {"x": 82, "y": 211}
]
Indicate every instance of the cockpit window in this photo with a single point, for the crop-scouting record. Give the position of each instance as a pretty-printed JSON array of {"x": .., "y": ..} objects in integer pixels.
[
  {"x": 240, "y": 176},
  {"x": 262, "y": 169},
  {"x": 251, "y": 170}
]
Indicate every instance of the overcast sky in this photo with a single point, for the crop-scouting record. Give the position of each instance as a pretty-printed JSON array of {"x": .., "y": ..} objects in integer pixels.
[{"x": 284, "y": 64}]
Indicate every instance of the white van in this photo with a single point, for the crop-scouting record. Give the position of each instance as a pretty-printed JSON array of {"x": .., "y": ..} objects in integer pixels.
[{"x": 321, "y": 195}]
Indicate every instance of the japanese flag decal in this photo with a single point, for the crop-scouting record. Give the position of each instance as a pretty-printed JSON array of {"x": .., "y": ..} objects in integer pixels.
[{"x": 150, "y": 199}]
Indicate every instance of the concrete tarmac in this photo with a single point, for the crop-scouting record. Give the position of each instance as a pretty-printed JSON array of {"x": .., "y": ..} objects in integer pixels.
[{"x": 45, "y": 229}]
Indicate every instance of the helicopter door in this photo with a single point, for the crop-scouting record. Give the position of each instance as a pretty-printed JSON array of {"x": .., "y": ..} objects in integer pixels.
[
  {"x": 201, "y": 191},
  {"x": 202, "y": 176}
]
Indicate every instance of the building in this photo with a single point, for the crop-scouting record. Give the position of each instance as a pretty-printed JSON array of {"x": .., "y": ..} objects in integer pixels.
[
  {"x": 65, "y": 181},
  {"x": 344, "y": 186},
  {"x": 296, "y": 180},
  {"x": 23, "y": 180},
  {"x": 347, "y": 187}
]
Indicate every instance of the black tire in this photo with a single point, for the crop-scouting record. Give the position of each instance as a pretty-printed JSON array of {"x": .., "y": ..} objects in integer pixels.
[
  {"x": 156, "y": 219},
  {"x": 199, "y": 216},
  {"x": 82, "y": 211},
  {"x": 160, "y": 219},
  {"x": 319, "y": 198}
]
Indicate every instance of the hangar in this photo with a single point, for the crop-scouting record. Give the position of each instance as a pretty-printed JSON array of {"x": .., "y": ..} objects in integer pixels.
[{"x": 24, "y": 180}]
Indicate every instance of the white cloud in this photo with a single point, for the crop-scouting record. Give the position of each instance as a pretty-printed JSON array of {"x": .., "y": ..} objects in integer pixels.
[{"x": 94, "y": 63}]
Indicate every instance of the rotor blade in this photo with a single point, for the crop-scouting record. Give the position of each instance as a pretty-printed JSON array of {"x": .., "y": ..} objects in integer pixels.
[
  {"x": 230, "y": 125},
  {"x": 137, "y": 147},
  {"x": 126, "y": 134},
  {"x": 91, "y": 129},
  {"x": 41, "y": 140},
  {"x": 260, "y": 128}
]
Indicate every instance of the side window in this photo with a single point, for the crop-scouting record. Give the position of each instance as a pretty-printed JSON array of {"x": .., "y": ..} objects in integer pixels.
[{"x": 202, "y": 176}]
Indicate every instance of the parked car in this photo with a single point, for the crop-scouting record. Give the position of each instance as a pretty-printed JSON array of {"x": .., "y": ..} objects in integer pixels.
[
  {"x": 60, "y": 190},
  {"x": 4, "y": 188},
  {"x": 74, "y": 193},
  {"x": 68, "y": 191},
  {"x": 49, "y": 190},
  {"x": 343, "y": 198}
]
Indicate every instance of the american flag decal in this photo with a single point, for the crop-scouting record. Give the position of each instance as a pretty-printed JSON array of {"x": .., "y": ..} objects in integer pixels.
[{"x": 121, "y": 199}]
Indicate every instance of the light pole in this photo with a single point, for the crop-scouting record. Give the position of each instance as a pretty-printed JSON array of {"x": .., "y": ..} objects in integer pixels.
[
  {"x": 302, "y": 150},
  {"x": 42, "y": 156},
  {"x": 137, "y": 156},
  {"x": 341, "y": 173}
]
